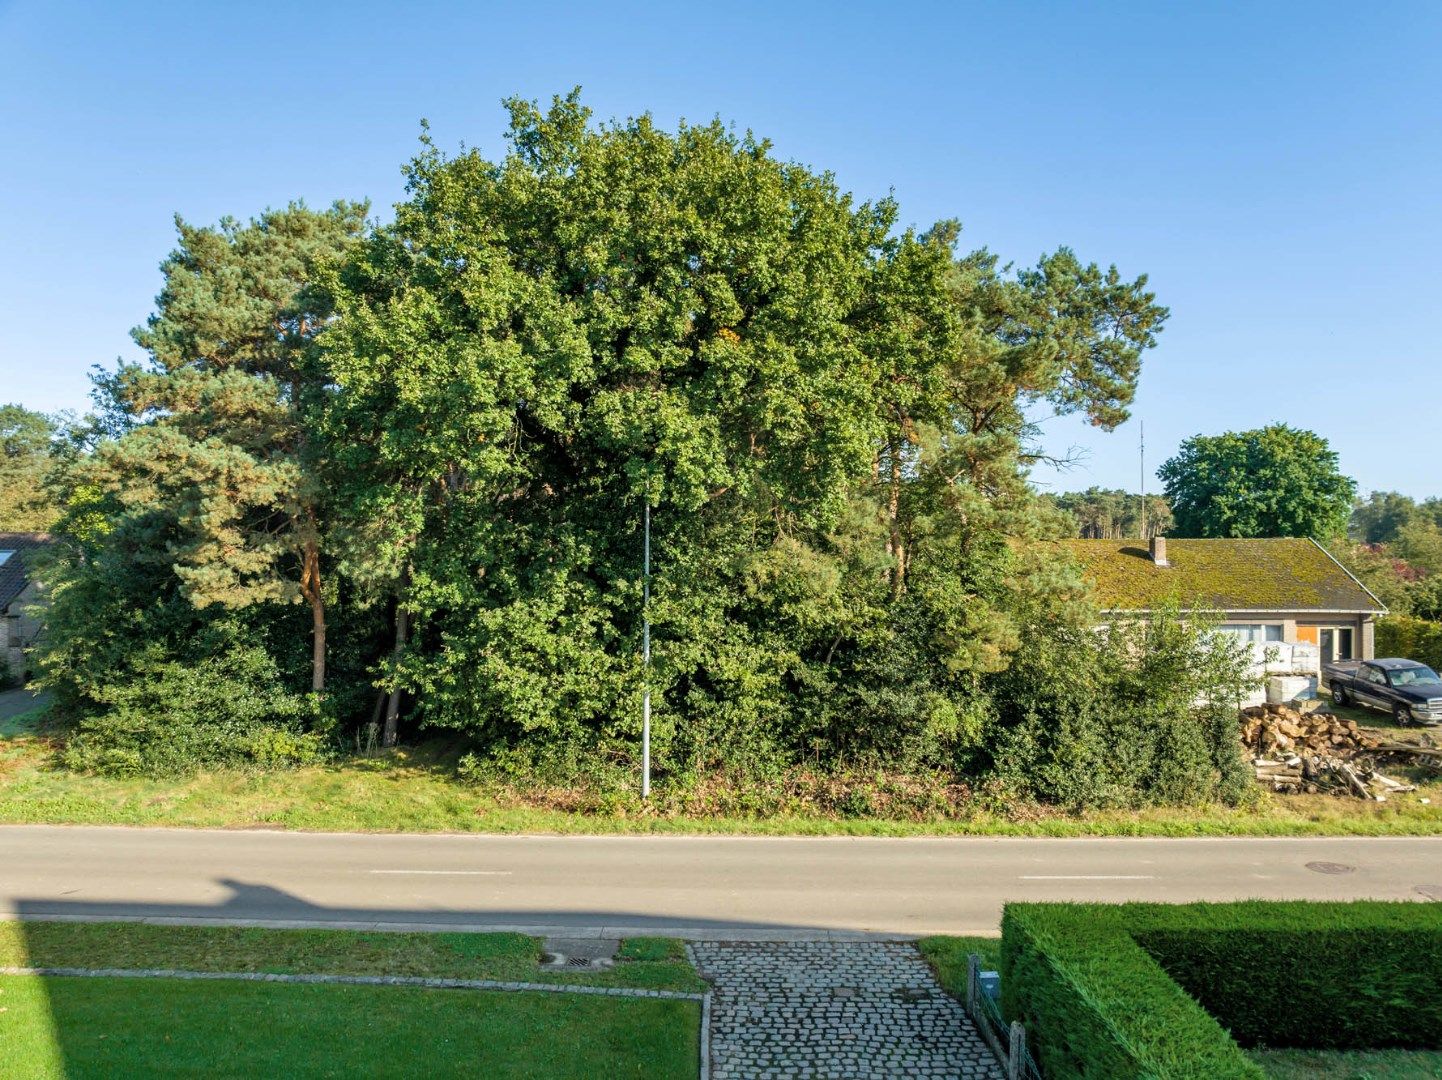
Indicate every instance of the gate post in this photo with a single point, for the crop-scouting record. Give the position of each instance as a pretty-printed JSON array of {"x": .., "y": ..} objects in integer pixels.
[{"x": 1017, "y": 1051}]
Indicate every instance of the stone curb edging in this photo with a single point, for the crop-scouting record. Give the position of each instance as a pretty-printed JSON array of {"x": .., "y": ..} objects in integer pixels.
[{"x": 705, "y": 1073}]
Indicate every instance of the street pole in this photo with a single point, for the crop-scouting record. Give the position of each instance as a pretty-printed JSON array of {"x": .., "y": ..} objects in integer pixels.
[
  {"x": 1142, "y": 466},
  {"x": 646, "y": 658}
]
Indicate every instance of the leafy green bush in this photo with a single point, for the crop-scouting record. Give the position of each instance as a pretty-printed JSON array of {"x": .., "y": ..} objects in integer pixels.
[
  {"x": 1416, "y": 639},
  {"x": 169, "y": 717},
  {"x": 1137, "y": 713},
  {"x": 1113, "y": 990}
]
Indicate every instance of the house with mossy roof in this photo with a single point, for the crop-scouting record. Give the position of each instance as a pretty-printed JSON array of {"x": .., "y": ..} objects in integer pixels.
[{"x": 1284, "y": 590}]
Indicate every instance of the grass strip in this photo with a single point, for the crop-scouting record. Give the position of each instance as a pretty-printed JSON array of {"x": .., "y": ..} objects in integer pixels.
[
  {"x": 99, "y": 1027},
  {"x": 947, "y": 957},
  {"x": 415, "y": 789},
  {"x": 497, "y": 957}
]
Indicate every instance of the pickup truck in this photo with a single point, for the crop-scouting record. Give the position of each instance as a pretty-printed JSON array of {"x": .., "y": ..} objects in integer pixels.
[{"x": 1410, "y": 691}]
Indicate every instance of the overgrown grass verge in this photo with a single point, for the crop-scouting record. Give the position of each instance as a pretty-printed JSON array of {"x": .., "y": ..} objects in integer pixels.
[
  {"x": 416, "y": 790},
  {"x": 84, "y": 1027},
  {"x": 647, "y": 963}
]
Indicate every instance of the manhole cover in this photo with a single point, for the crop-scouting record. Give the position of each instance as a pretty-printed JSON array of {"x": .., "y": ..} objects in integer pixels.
[
  {"x": 1431, "y": 892},
  {"x": 1330, "y": 867}
]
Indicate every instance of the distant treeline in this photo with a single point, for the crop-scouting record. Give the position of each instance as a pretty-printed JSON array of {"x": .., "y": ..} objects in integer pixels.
[{"x": 1113, "y": 514}]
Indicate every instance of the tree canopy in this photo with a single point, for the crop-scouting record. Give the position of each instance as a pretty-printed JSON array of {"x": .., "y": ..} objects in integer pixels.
[
  {"x": 1273, "y": 481},
  {"x": 27, "y": 451},
  {"x": 441, "y": 433}
]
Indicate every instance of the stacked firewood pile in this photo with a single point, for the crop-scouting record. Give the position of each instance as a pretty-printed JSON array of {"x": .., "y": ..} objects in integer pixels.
[{"x": 1316, "y": 751}]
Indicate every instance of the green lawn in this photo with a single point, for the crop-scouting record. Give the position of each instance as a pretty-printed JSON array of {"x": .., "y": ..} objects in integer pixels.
[
  {"x": 415, "y": 790},
  {"x": 1350, "y": 1064},
  {"x": 83, "y": 1027},
  {"x": 78, "y": 1027},
  {"x": 649, "y": 963}
]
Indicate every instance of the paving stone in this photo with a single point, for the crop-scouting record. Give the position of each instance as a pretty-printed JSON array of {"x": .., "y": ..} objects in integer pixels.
[{"x": 834, "y": 1010}]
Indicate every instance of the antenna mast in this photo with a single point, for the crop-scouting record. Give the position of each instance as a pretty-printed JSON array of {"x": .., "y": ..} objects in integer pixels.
[{"x": 1142, "y": 461}]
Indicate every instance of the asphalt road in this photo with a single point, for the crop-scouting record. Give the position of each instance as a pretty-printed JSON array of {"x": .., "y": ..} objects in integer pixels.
[{"x": 690, "y": 886}]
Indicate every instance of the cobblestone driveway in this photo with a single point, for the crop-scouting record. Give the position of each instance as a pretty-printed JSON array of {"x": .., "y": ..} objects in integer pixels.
[{"x": 834, "y": 1010}]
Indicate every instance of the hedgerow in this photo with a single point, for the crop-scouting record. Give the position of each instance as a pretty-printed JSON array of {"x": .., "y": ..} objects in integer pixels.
[
  {"x": 1416, "y": 639},
  {"x": 1149, "y": 990}
]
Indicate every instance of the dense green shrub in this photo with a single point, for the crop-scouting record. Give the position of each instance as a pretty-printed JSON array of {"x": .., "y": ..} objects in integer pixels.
[
  {"x": 171, "y": 717},
  {"x": 1112, "y": 990},
  {"x": 1416, "y": 639},
  {"x": 1138, "y": 713}
]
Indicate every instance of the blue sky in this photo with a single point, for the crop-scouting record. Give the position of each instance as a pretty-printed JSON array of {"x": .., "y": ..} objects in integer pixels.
[{"x": 1276, "y": 168}]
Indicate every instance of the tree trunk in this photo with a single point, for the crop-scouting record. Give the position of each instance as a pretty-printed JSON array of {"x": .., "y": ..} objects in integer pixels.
[
  {"x": 895, "y": 543},
  {"x": 393, "y": 705},
  {"x": 311, "y": 590}
]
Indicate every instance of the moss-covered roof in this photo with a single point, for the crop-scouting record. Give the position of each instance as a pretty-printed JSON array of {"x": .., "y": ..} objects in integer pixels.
[{"x": 1220, "y": 575}]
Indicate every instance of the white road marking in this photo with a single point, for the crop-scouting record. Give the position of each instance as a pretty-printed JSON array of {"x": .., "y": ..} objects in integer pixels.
[
  {"x": 1087, "y": 877},
  {"x": 466, "y": 873}
]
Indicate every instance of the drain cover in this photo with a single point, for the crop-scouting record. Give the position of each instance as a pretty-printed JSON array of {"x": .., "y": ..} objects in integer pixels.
[
  {"x": 555, "y": 961},
  {"x": 1330, "y": 867},
  {"x": 1431, "y": 892},
  {"x": 843, "y": 991}
]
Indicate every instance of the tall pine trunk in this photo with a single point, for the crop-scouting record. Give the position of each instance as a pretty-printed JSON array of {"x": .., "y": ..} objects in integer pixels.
[
  {"x": 393, "y": 704},
  {"x": 311, "y": 590}
]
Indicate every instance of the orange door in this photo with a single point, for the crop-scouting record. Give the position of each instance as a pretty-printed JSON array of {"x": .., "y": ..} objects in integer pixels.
[{"x": 1308, "y": 634}]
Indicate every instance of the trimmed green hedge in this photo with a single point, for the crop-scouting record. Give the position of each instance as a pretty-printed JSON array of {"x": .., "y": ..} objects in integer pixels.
[
  {"x": 1150, "y": 990},
  {"x": 1415, "y": 639}
]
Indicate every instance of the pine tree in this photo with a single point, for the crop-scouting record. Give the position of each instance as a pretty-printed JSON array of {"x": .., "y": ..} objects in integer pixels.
[{"x": 220, "y": 415}]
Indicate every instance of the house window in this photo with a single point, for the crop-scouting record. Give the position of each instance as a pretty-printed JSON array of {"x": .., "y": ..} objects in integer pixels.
[
  {"x": 5, "y": 557},
  {"x": 1261, "y": 632}
]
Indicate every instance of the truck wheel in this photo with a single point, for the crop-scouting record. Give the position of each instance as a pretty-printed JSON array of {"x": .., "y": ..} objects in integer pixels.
[
  {"x": 1339, "y": 694},
  {"x": 1401, "y": 715}
]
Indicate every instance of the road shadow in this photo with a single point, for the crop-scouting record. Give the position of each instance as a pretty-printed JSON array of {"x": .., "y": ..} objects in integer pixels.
[{"x": 252, "y": 904}]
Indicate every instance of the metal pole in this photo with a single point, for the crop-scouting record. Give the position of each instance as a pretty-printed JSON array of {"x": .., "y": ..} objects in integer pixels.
[
  {"x": 646, "y": 658},
  {"x": 1142, "y": 464}
]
